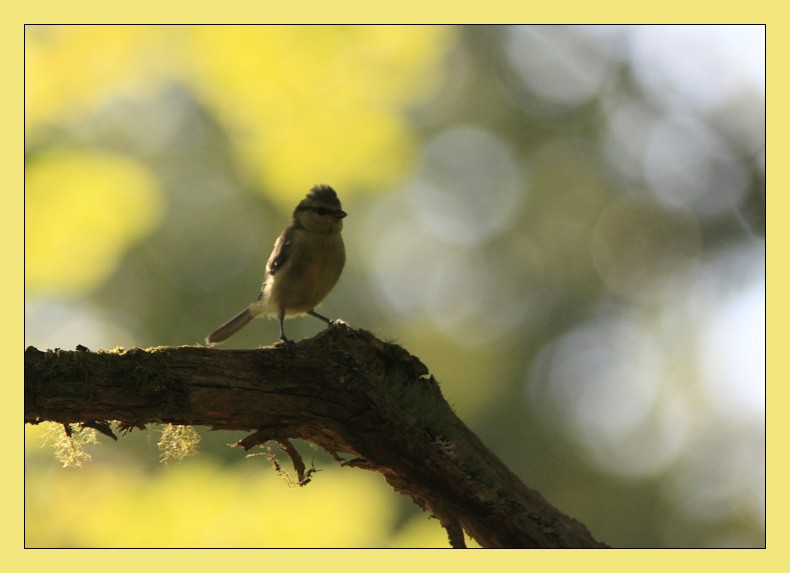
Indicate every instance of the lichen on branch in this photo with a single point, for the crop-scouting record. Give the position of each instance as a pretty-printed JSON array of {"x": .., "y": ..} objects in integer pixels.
[{"x": 370, "y": 404}]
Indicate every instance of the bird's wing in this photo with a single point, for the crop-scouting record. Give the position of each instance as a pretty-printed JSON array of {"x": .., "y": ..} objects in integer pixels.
[{"x": 282, "y": 248}]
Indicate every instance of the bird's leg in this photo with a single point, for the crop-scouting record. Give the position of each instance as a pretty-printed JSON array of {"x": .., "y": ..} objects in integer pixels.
[
  {"x": 319, "y": 316},
  {"x": 289, "y": 344}
]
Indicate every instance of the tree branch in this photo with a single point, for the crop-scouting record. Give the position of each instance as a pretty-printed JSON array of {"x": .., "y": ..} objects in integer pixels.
[{"x": 343, "y": 390}]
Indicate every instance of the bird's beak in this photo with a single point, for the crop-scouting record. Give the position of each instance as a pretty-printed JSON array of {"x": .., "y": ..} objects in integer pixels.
[{"x": 340, "y": 214}]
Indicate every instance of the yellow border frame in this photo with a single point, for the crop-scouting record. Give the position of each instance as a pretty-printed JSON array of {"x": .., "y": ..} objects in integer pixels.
[{"x": 496, "y": 11}]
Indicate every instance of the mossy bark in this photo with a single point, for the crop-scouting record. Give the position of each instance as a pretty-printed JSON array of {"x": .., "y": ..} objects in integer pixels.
[{"x": 369, "y": 403}]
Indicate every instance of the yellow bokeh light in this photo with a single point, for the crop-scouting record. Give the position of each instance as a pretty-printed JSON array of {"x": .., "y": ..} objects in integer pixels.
[
  {"x": 70, "y": 69},
  {"x": 82, "y": 210},
  {"x": 301, "y": 104},
  {"x": 308, "y": 104},
  {"x": 200, "y": 503}
]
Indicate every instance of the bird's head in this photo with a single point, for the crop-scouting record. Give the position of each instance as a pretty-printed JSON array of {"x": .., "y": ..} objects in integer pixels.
[{"x": 320, "y": 210}]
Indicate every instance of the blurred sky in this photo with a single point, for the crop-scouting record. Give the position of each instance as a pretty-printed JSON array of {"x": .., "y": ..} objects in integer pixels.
[{"x": 565, "y": 223}]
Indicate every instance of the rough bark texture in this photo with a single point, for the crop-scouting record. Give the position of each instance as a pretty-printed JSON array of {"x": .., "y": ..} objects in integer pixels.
[{"x": 370, "y": 404}]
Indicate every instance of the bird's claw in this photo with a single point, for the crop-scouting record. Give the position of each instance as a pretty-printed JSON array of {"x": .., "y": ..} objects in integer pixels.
[{"x": 288, "y": 343}]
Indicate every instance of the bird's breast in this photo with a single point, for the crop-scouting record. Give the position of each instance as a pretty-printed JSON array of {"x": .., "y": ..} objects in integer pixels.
[{"x": 313, "y": 267}]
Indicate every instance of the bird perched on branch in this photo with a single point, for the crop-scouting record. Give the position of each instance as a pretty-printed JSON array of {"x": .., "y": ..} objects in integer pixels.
[{"x": 305, "y": 264}]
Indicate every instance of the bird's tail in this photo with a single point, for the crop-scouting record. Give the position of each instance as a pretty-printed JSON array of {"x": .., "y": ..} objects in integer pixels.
[{"x": 230, "y": 328}]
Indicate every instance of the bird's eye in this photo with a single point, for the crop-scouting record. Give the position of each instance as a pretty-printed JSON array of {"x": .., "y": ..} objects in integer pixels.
[{"x": 324, "y": 211}]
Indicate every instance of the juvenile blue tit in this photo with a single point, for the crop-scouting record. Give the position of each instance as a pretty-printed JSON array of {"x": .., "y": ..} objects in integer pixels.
[{"x": 305, "y": 264}]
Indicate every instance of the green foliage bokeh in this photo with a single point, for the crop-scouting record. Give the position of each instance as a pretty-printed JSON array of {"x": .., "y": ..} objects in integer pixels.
[{"x": 566, "y": 224}]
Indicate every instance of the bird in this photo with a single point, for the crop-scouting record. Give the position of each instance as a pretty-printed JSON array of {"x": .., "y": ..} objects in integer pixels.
[{"x": 304, "y": 266}]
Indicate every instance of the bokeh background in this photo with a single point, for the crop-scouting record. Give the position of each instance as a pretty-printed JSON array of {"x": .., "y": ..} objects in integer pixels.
[{"x": 566, "y": 224}]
